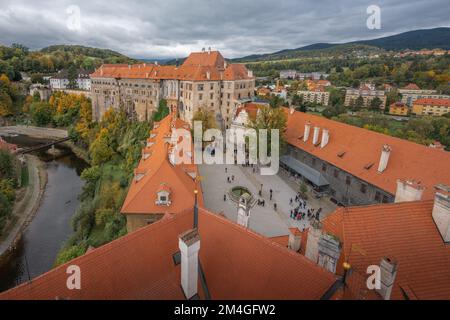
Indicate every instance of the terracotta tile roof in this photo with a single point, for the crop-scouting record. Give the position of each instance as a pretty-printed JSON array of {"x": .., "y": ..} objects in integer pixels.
[
  {"x": 199, "y": 66},
  {"x": 398, "y": 105},
  {"x": 237, "y": 263},
  {"x": 412, "y": 86},
  {"x": 250, "y": 108},
  {"x": 157, "y": 171},
  {"x": 408, "y": 160},
  {"x": 405, "y": 232},
  {"x": 433, "y": 102}
]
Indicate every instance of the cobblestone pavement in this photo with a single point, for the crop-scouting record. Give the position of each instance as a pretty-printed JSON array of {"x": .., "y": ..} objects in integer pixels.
[{"x": 264, "y": 220}]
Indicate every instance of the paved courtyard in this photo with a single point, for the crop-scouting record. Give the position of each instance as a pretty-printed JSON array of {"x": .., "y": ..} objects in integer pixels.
[{"x": 264, "y": 220}]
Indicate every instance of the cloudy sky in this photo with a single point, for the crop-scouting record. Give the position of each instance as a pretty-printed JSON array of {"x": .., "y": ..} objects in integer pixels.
[{"x": 173, "y": 28}]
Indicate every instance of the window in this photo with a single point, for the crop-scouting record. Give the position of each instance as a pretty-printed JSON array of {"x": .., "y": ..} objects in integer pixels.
[
  {"x": 200, "y": 87},
  {"x": 163, "y": 198},
  {"x": 314, "y": 161},
  {"x": 200, "y": 96},
  {"x": 363, "y": 188},
  {"x": 336, "y": 173},
  {"x": 211, "y": 96},
  {"x": 377, "y": 196},
  {"x": 348, "y": 180},
  {"x": 324, "y": 167},
  {"x": 212, "y": 86}
]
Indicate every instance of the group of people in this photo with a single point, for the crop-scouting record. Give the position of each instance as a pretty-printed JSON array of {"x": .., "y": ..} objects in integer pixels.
[{"x": 302, "y": 211}]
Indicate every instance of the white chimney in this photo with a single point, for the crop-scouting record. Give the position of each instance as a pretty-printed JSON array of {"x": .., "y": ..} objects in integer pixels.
[
  {"x": 307, "y": 130},
  {"x": 209, "y": 50},
  {"x": 250, "y": 74},
  {"x": 316, "y": 135},
  {"x": 441, "y": 211},
  {"x": 243, "y": 211},
  {"x": 312, "y": 244},
  {"x": 208, "y": 75},
  {"x": 295, "y": 240},
  {"x": 385, "y": 152},
  {"x": 129, "y": 66},
  {"x": 388, "y": 270},
  {"x": 189, "y": 244},
  {"x": 325, "y": 138},
  {"x": 408, "y": 191}
]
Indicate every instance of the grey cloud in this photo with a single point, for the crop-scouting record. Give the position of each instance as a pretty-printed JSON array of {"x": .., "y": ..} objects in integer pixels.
[{"x": 236, "y": 27}]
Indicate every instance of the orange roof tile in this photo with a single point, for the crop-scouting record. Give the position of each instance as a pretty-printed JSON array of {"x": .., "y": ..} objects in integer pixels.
[
  {"x": 405, "y": 232},
  {"x": 199, "y": 66},
  {"x": 158, "y": 171},
  {"x": 237, "y": 264},
  {"x": 433, "y": 102},
  {"x": 408, "y": 160},
  {"x": 412, "y": 86}
]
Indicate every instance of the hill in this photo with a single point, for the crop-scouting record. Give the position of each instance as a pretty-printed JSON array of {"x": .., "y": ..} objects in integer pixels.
[{"x": 415, "y": 40}]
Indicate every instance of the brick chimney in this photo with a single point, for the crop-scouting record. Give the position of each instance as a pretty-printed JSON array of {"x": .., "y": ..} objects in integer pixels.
[
  {"x": 385, "y": 153},
  {"x": 307, "y": 130},
  {"x": 325, "y": 138},
  {"x": 189, "y": 244},
  {"x": 388, "y": 270},
  {"x": 441, "y": 211},
  {"x": 316, "y": 135},
  {"x": 408, "y": 190}
]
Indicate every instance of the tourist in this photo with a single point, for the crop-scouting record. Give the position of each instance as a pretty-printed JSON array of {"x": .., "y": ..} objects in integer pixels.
[
  {"x": 275, "y": 206},
  {"x": 225, "y": 197}
]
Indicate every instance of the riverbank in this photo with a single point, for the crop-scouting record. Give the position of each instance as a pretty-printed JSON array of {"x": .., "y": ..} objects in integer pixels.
[
  {"x": 45, "y": 133},
  {"x": 27, "y": 204}
]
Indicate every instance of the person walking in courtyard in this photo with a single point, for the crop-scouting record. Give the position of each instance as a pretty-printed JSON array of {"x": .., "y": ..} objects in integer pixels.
[
  {"x": 275, "y": 206},
  {"x": 225, "y": 197},
  {"x": 226, "y": 170}
]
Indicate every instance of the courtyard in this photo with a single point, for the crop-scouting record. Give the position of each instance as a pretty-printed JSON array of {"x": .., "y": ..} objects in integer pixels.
[{"x": 265, "y": 219}]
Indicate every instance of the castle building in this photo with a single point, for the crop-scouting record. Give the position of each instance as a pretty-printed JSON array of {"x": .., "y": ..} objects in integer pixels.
[
  {"x": 358, "y": 166},
  {"x": 205, "y": 80},
  {"x": 161, "y": 185},
  {"x": 61, "y": 80}
]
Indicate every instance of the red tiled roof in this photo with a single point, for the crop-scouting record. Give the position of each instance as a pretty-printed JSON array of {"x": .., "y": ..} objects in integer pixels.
[
  {"x": 199, "y": 66},
  {"x": 405, "y": 232},
  {"x": 158, "y": 171},
  {"x": 412, "y": 86},
  {"x": 408, "y": 160},
  {"x": 237, "y": 263},
  {"x": 433, "y": 102}
]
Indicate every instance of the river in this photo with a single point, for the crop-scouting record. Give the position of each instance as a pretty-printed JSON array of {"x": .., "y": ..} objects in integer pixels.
[{"x": 51, "y": 227}]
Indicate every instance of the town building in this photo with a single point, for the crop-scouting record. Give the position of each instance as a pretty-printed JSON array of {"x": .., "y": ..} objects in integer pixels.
[
  {"x": 412, "y": 92},
  {"x": 408, "y": 240},
  {"x": 313, "y": 84},
  {"x": 60, "y": 81},
  {"x": 317, "y": 95},
  {"x": 431, "y": 107},
  {"x": 263, "y": 92},
  {"x": 399, "y": 109},
  {"x": 288, "y": 74},
  {"x": 161, "y": 185},
  {"x": 204, "y": 81},
  {"x": 195, "y": 254},
  {"x": 358, "y": 166},
  {"x": 367, "y": 93}
]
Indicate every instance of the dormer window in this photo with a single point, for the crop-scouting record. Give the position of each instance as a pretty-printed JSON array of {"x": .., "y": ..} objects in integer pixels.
[{"x": 163, "y": 195}]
